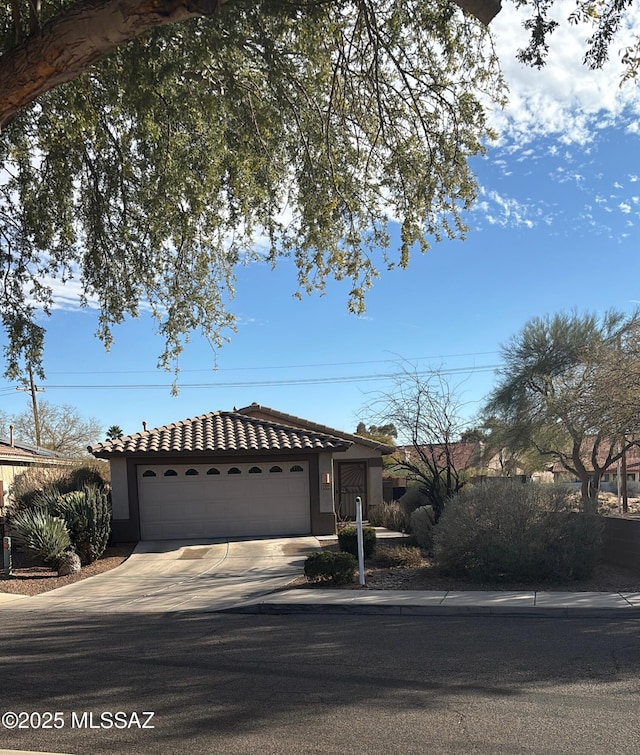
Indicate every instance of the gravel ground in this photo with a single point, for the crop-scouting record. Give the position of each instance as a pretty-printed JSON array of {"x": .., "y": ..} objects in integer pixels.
[
  {"x": 424, "y": 575},
  {"x": 31, "y": 580},
  {"x": 27, "y": 579}
]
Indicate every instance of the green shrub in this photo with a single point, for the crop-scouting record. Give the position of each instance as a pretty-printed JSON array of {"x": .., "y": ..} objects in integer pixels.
[
  {"x": 515, "y": 532},
  {"x": 87, "y": 513},
  {"x": 348, "y": 540},
  {"x": 37, "y": 482},
  {"x": 324, "y": 566},
  {"x": 422, "y": 521},
  {"x": 47, "y": 500},
  {"x": 390, "y": 556},
  {"x": 89, "y": 473},
  {"x": 414, "y": 498},
  {"x": 43, "y": 537},
  {"x": 389, "y": 515}
]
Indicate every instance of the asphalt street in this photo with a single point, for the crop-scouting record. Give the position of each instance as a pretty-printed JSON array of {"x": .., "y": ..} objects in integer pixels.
[{"x": 219, "y": 683}]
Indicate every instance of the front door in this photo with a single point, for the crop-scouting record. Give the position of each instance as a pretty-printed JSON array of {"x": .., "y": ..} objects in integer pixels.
[{"x": 352, "y": 482}]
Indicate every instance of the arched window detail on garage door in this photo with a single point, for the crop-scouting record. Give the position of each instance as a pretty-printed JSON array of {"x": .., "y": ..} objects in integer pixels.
[
  {"x": 149, "y": 473},
  {"x": 275, "y": 469},
  {"x": 192, "y": 472},
  {"x": 234, "y": 470},
  {"x": 255, "y": 470},
  {"x": 213, "y": 470},
  {"x": 296, "y": 468},
  {"x": 171, "y": 473}
]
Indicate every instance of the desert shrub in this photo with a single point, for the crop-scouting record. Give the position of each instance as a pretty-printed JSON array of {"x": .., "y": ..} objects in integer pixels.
[
  {"x": 36, "y": 482},
  {"x": 87, "y": 513},
  {"x": 47, "y": 500},
  {"x": 348, "y": 540},
  {"x": 515, "y": 532},
  {"x": 406, "y": 556},
  {"x": 33, "y": 482},
  {"x": 389, "y": 515},
  {"x": 422, "y": 521},
  {"x": 43, "y": 537},
  {"x": 326, "y": 566},
  {"x": 89, "y": 472},
  {"x": 413, "y": 499}
]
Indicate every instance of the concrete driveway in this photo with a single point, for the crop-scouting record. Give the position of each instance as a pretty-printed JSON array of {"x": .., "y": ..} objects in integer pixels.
[{"x": 178, "y": 575}]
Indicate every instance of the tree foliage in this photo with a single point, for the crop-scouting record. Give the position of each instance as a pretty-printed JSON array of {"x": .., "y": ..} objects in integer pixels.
[
  {"x": 62, "y": 429},
  {"x": 114, "y": 432},
  {"x": 605, "y": 18},
  {"x": 269, "y": 130},
  {"x": 425, "y": 409},
  {"x": 569, "y": 389},
  {"x": 386, "y": 434}
]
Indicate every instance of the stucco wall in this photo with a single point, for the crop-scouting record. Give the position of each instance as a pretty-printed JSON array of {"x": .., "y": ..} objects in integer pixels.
[
  {"x": 621, "y": 542},
  {"x": 119, "y": 491},
  {"x": 325, "y": 467}
]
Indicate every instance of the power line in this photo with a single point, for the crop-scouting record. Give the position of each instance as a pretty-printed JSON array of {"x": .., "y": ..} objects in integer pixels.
[
  {"x": 284, "y": 366},
  {"x": 283, "y": 382}
]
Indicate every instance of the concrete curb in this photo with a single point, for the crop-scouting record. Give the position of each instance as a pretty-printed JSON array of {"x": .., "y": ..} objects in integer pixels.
[{"x": 465, "y": 611}]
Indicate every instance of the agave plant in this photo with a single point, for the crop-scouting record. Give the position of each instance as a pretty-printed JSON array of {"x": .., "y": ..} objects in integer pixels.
[
  {"x": 87, "y": 513},
  {"x": 44, "y": 537}
]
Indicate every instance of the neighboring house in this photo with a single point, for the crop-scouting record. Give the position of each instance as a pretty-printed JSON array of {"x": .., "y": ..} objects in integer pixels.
[
  {"x": 560, "y": 474},
  {"x": 474, "y": 457},
  {"x": 15, "y": 458},
  {"x": 252, "y": 472},
  {"x": 463, "y": 455}
]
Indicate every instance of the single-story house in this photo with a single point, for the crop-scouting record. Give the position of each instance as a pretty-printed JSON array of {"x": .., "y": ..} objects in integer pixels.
[
  {"x": 251, "y": 472},
  {"x": 16, "y": 458},
  {"x": 610, "y": 475}
]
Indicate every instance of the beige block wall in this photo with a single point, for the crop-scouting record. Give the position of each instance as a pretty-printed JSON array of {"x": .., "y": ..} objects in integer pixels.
[{"x": 8, "y": 473}]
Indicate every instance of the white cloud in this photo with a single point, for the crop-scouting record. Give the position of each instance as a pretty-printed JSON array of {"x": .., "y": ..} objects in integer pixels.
[
  {"x": 624, "y": 207},
  {"x": 565, "y": 99},
  {"x": 506, "y": 211}
]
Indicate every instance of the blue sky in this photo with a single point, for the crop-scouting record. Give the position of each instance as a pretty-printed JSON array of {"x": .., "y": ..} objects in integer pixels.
[{"x": 555, "y": 228}]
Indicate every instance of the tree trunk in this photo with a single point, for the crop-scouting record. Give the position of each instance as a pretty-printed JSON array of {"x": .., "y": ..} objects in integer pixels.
[
  {"x": 590, "y": 492},
  {"x": 69, "y": 44}
]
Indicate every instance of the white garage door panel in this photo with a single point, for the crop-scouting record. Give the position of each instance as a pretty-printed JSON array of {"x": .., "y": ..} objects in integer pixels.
[{"x": 269, "y": 503}]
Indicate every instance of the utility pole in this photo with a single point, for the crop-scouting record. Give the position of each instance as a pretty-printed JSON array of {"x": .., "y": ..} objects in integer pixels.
[{"x": 34, "y": 403}]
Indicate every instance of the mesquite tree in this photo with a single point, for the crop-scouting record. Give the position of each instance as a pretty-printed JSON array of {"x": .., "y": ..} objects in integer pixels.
[{"x": 569, "y": 388}]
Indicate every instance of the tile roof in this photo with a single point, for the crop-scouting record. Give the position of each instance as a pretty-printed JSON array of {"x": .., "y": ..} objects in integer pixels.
[
  {"x": 290, "y": 419},
  {"x": 462, "y": 454},
  {"x": 218, "y": 432}
]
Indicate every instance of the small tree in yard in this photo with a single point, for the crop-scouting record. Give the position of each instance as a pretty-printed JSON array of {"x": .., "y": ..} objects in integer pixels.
[
  {"x": 425, "y": 409},
  {"x": 569, "y": 389}
]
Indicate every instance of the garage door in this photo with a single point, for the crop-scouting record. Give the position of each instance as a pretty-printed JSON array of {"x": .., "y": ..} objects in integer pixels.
[{"x": 223, "y": 500}]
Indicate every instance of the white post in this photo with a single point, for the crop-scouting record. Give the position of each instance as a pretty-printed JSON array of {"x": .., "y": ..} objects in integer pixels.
[{"x": 360, "y": 540}]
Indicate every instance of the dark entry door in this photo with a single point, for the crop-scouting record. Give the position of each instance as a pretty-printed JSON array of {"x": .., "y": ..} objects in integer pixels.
[{"x": 352, "y": 482}]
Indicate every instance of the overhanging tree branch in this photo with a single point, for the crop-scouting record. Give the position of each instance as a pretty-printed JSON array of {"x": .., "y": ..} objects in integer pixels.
[
  {"x": 86, "y": 32},
  {"x": 70, "y": 43}
]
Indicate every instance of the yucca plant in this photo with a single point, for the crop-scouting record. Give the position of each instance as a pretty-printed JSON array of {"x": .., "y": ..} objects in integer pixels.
[
  {"x": 47, "y": 500},
  {"x": 87, "y": 513},
  {"x": 44, "y": 537}
]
